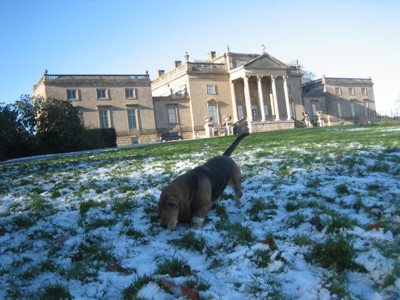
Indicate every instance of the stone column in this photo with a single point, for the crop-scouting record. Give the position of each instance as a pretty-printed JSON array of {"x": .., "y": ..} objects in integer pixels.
[
  {"x": 273, "y": 83},
  {"x": 234, "y": 105},
  {"x": 261, "y": 97},
  {"x": 285, "y": 87},
  {"x": 247, "y": 99},
  {"x": 194, "y": 133}
]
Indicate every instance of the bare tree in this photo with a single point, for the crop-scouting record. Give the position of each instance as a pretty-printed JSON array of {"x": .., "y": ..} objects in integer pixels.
[{"x": 307, "y": 75}]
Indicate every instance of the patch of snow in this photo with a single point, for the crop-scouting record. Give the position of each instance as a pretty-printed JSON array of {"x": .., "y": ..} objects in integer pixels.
[{"x": 30, "y": 240}]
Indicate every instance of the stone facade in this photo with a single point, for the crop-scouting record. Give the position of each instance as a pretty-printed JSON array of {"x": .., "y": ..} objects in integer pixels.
[
  {"x": 206, "y": 97},
  {"x": 231, "y": 86},
  {"x": 340, "y": 100},
  {"x": 123, "y": 102}
]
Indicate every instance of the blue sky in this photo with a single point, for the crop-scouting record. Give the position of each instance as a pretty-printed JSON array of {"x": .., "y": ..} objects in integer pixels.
[{"x": 337, "y": 38}]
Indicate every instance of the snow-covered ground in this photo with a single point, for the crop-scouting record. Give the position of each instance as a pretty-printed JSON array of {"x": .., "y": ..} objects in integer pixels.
[{"x": 316, "y": 223}]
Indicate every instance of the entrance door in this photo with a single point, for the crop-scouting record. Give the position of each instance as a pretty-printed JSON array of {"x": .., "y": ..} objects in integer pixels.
[{"x": 254, "y": 111}]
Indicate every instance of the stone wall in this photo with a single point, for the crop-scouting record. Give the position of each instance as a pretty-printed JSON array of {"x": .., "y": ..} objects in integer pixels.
[
  {"x": 271, "y": 126},
  {"x": 126, "y": 140}
]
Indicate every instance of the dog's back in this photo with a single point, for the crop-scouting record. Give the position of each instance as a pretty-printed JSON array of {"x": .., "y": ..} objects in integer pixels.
[{"x": 217, "y": 170}]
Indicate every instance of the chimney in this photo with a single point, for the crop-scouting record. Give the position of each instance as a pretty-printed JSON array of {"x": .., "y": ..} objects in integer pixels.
[
  {"x": 177, "y": 63},
  {"x": 211, "y": 55},
  {"x": 160, "y": 73}
]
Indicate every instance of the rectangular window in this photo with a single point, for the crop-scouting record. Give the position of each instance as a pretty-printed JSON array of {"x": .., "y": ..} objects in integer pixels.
[
  {"x": 353, "y": 109},
  {"x": 366, "y": 106},
  {"x": 103, "y": 117},
  {"x": 364, "y": 91},
  {"x": 134, "y": 140},
  {"x": 240, "y": 111},
  {"x": 266, "y": 110},
  {"x": 351, "y": 91},
  {"x": 254, "y": 111},
  {"x": 339, "y": 109},
  {"x": 212, "y": 112},
  {"x": 131, "y": 93},
  {"x": 338, "y": 91},
  {"x": 72, "y": 95},
  {"x": 314, "y": 108},
  {"x": 80, "y": 114},
  {"x": 211, "y": 90},
  {"x": 132, "y": 119},
  {"x": 172, "y": 119},
  {"x": 101, "y": 94}
]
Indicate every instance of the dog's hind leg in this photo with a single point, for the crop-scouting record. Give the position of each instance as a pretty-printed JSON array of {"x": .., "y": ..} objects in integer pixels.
[{"x": 235, "y": 182}]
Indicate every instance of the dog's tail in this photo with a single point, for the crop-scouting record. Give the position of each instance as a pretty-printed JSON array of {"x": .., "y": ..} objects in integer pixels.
[{"x": 232, "y": 147}]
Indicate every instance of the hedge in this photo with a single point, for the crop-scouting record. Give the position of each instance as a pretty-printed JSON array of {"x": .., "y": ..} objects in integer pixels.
[{"x": 99, "y": 138}]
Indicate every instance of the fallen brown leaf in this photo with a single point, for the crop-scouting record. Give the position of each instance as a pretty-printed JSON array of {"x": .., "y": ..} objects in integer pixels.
[
  {"x": 168, "y": 283},
  {"x": 191, "y": 293},
  {"x": 375, "y": 226},
  {"x": 188, "y": 292},
  {"x": 116, "y": 267}
]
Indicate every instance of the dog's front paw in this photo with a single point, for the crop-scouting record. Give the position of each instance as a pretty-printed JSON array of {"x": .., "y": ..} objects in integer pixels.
[{"x": 197, "y": 222}]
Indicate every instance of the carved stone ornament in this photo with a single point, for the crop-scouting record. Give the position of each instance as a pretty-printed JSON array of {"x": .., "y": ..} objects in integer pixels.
[
  {"x": 227, "y": 118},
  {"x": 207, "y": 119}
]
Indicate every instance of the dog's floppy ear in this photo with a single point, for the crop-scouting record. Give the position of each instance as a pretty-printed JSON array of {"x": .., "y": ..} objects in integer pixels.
[{"x": 180, "y": 205}]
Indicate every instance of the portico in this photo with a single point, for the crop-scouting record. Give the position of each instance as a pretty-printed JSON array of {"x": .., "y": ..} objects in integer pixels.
[{"x": 260, "y": 92}]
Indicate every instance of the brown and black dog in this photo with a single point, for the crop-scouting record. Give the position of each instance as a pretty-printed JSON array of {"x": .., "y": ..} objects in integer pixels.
[{"x": 189, "y": 197}]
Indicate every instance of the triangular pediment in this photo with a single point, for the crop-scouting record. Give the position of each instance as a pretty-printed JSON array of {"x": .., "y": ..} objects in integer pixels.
[
  {"x": 212, "y": 102},
  {"x": 265, "y": 61}
]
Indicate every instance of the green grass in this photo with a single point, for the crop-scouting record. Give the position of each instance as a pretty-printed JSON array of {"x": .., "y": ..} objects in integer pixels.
[
  {"x": 342, "y": 189},
  {"x": 265, "y": 286},
  {"x": 88, "y": 258},
  {"x": 38, "y": 204},
  {"x": 105, "y": 193},
  {"x": 135, "y": 234},
  {"x": 260, "y": 209},
  {"x": 130, "y": 293},
  {"x": 239, "y": 234},
  {"x": 301, "y": 240},
  {"x": 197, "y": 283},
  {"x": 174, "y": 267},
  {"x": 168, "y": 268},
  {"x": 337, "y": 222},
  {"x": 85, "y": 206},
  {"x": 55, "y": 292},
  {"x": 393, "y": 276},
  {"x": 123, "y": 206},
  {"x": 337, "y": 285},
  {"x": 291, "y": 206},
  {"x": 191, "y": 241},
  {"x": 25, "y": 220},
  {"x": 336, "y": 252},
  {"x": 262, "y": 258}
]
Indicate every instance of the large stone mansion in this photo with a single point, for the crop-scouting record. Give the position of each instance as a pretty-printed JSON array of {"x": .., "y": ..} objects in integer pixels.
[{"x": 205, "y": 97}]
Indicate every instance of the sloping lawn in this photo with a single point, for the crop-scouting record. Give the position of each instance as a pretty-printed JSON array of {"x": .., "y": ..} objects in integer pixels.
[{"x": 320, "y": 219}]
